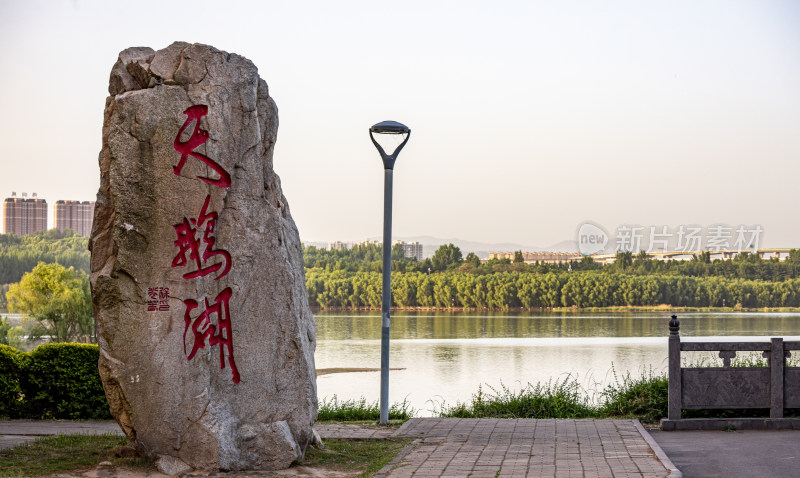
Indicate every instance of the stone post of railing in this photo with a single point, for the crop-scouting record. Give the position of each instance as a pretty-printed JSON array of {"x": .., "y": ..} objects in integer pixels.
[
  {"x": 776, "y": 365},
  {"x": 674, "y": 397}
]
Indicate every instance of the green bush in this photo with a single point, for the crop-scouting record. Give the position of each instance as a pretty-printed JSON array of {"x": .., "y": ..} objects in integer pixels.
[
  {"x": 12, "y": 364},
  {"x": 62, "y": 381},
  {"x": 554, "y": 399},
  {"x": 644, "y": 397},
  {"x": 360, "y": 410}
]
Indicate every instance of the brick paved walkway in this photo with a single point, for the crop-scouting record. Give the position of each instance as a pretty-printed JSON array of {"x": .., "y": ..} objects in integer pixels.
[{"x": 452, "y": 447}]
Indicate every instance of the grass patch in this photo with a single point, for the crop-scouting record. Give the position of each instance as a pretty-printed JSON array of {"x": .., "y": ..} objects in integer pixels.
[
  {"x": 554, "y": 399},
  {"x": 367, "y": 456},
  {"x": 643, "y": 397},
  {"x": 60, "y": 453},
  {"x": 63, "y": 453},
  {"x": 334, "y": 410}
]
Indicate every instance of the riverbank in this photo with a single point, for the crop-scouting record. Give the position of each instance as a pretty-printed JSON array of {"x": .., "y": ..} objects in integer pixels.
[{"x": 616, "y": 308}]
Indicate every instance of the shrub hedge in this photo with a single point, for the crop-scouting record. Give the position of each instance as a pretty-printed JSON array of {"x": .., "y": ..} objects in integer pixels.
[
  {"x": 53, "y": 381},
  {"x": 12, "y": 363}
]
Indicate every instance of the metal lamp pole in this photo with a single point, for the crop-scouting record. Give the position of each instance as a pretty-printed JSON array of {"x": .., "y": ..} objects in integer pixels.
[{"x": 387, "y": 127}]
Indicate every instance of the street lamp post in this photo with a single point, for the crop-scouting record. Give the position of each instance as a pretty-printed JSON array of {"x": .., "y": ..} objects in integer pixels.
[{"x": 387, "y": 128}]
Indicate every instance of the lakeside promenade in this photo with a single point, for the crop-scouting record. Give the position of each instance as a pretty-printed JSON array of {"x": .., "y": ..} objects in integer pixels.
[{"x": 452, "y": 447}]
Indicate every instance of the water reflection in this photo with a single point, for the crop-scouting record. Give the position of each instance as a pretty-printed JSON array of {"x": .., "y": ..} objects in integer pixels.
[{"x": 446, "y": 355}]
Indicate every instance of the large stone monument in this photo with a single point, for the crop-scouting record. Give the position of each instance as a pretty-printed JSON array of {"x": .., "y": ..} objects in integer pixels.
[{"x": 206, "y": 339}]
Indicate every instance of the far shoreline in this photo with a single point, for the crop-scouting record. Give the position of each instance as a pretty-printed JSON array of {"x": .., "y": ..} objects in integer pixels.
[{"x": 617, "y": 308}]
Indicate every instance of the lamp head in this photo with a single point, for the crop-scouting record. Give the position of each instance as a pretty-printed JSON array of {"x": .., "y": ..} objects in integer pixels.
[{"x": 389, "y": 128}]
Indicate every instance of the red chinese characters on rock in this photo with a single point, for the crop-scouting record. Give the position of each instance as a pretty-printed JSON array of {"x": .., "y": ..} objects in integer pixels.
[
  {"x": 199, "y": 136},
  {"x": 195, "y": 240},
  {"x": 158, "y": 299},
  {"x": 203, "y": 329},
  {"x": 188, "y": 243}
]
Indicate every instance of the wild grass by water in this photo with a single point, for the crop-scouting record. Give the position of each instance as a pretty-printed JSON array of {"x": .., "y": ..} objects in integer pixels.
[
  {"x": 335, "y": 410},
  {"x": 554, "y": 399},
  {"x": 644, "y": 397}
]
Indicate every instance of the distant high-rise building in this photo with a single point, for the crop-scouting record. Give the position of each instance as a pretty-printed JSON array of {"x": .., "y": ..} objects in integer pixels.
[
  {"x": 337, "y": 246},
  {"x": 412, "y": 250},
  {"x": 24, "y": 215},
  {"x": 73, "y": 215},
  {"x": 369, "y": 242}
]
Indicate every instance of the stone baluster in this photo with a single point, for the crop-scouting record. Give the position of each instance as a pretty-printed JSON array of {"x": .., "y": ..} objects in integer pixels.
[
  {"x": 674, "y": 397},
  {"x": 726, "y": 356},
  {"x": 777, "y": 363}
]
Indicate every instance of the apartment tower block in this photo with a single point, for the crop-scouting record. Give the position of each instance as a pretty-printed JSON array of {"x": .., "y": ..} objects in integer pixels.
[
  {"x": 73, "y": 215},
  {"x": 24, "y": 215}
]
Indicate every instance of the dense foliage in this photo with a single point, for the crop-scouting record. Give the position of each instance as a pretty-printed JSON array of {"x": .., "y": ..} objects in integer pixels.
[
  {"x": 58, "y": 299},
  {"x": 12, "y": 364},
  {"x": 62, "y": 381},
  {"x": 352, "y": 278},
  {"x": 360, "y": 258},
  {"x": 367, "y": 258},
  {"x": 743, "y": 266},
  {"x": 20, "y": 254},
  {"x": 553, "y": 289},
  {"x": 53, "y": 381}
]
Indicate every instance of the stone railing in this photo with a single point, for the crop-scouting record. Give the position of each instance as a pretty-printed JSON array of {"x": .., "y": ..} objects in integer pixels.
[{"x": 775, "y": 387}]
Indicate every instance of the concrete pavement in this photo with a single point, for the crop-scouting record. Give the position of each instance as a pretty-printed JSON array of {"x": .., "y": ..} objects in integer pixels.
[{"x": 745, "y": 454}]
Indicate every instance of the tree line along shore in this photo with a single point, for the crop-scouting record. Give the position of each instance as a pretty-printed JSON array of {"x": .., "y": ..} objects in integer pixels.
[
  {"x": 515, "y": 290},
  {"x": 351, "y": 278}
]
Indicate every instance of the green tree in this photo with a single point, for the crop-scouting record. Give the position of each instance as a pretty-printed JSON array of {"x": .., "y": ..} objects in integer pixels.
[
  {"x": 445, "y": 257},
  {"x": 473, "y": 259},
  {"x": 58, "y": 299},
  {"x": 623, "y": 261},
  {"x": 5, "y": 327},
  {"x": 397, "y": 252},
  {"x": 586, "y": 264},
  {"x": 20, "y": 254},
  {"x": 794, "y": 255},
  {"x": 518, "y": 259},
  {"x": 704, "y": 257}
]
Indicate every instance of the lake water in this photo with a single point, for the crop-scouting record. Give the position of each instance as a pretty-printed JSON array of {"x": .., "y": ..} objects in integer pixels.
[{"x": 445, "y": 356}]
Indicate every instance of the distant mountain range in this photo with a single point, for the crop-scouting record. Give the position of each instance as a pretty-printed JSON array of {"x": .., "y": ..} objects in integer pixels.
[{"x": 481, "y": 249}]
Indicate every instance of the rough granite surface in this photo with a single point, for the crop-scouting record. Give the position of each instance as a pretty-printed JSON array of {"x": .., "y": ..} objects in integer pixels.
[{"x": 191, "y": 411}]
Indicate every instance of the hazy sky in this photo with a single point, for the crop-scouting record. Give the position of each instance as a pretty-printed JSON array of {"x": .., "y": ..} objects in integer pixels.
[{"x": 527, "y": 117}]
